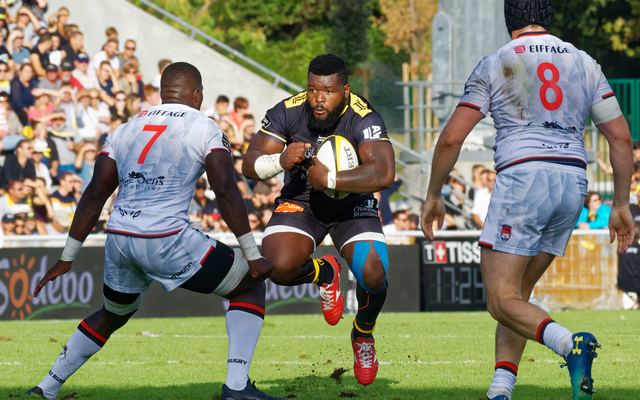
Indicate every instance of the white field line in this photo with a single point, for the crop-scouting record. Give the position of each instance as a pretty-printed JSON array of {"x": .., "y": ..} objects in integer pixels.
[{"x": 302, "y": 337}]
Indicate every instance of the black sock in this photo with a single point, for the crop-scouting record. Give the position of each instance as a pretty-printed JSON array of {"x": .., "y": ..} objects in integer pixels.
[
  {"x": 308, "y": 273},
  {"x": 369, "y": 307}
]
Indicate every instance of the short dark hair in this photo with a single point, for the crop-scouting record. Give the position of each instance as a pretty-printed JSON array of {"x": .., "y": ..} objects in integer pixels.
[
  {"x": 222, "y": 99},
  {"x": 180, "y": 73},
  {"x": 62, "y": 175},
  {"x": 636, "y": 144},
  {"x": 45, "y": 36},
  {"x": 329, "y": 64}
]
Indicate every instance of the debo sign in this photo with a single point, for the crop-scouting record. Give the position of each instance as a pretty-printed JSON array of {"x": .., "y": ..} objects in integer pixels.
[{"x": 19, "y": 276}]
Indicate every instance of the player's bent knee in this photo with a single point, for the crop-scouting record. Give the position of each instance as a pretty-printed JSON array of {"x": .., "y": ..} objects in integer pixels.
[{"x": 376, "y": 272}]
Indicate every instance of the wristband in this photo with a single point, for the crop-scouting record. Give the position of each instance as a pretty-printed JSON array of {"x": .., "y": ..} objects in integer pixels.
[
  {"x": 71, "y": 249},
  {"x": 249, "y": 247},
  {"x": 331, "y": 180},
  {"x": 268, "y": 166}
]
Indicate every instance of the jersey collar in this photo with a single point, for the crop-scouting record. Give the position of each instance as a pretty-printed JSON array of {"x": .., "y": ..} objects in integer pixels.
[{"x": 540, "y": 33}]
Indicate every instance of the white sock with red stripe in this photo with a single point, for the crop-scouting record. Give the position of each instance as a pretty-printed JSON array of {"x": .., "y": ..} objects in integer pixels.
[
  {"x": 504, "y": 380},
  {"x": 244, "y": 322},
  {"x": 84, "y": 343},
  {"x": 555, "y": 336}
]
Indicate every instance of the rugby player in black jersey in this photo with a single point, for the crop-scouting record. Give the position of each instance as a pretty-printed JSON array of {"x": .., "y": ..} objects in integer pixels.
[{"x": 290, "y": 134}]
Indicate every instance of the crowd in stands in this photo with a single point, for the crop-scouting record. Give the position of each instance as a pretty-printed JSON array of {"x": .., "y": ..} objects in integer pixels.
[{"x": 58, "y": 104}]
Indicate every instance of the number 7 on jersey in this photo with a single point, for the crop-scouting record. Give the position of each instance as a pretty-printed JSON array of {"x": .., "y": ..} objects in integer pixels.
[{"x": 158, "y": 129}]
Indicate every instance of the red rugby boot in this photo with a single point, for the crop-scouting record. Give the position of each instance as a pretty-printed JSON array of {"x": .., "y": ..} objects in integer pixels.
[
  {"x": 332, "y": 302},
  {"x": 365, "y": 365}
]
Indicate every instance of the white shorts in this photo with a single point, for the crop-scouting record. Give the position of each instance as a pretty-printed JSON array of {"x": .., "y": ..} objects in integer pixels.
[
  {"x": 534, "y": 207},
  {"x": 132, "y": 263}
]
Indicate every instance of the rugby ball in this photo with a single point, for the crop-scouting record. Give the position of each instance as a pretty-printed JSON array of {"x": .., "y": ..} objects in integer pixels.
[{"x": 337, "y": 154}]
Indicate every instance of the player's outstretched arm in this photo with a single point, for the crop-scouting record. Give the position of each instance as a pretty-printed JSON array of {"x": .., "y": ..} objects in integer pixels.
[
  {"x": 219, "y": 167},
  {"x": 445, "y": 157},
  {"x": 617, "y": 134},
  {"x": 102, "y": 185},
  {"x": 376, "y": 173},
  {"x": 265, "y": 158}
]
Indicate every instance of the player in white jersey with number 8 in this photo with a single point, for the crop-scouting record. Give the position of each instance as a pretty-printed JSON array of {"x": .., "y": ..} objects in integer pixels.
[
  {"x": 540, "y": 92},
  {"x": 155, "y": 160}
]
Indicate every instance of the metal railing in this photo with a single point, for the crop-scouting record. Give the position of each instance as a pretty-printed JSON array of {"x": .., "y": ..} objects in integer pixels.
[{"x": 277, "y": 79}]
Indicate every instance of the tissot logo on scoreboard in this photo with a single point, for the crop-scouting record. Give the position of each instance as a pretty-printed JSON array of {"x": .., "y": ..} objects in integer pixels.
[{"x": 451, "y": 252}]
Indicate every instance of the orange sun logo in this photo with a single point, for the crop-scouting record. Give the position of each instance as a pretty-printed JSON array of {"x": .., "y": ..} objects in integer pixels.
[{"x": 19, "y": 286}]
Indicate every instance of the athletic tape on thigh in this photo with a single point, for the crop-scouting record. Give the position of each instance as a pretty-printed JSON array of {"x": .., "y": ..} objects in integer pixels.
[
  {"x": 122, "y": 309},
  {"x": 360, "y": 253},
  {"x": 236, "y": 273}
]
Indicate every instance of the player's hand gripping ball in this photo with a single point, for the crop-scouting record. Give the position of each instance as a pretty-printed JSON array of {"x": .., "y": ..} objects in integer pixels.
[{"x": 337, "y": 154}]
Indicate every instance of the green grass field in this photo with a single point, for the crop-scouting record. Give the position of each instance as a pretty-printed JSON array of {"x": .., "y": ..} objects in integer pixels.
[{"x": 422, "y": 355}]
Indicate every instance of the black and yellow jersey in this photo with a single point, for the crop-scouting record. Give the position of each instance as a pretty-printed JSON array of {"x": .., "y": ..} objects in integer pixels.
[{"x": 287, "y": 123}]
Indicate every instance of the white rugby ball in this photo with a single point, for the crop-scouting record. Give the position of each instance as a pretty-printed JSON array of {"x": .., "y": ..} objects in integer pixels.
[{"x": 337, "y": 154}]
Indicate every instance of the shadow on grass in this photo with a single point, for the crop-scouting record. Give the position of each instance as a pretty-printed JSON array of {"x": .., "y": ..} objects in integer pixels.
[{"x": 316, "y": 388}]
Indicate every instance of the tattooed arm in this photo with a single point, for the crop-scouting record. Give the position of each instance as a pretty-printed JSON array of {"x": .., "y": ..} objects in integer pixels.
[{"x": 445, "y": 157}]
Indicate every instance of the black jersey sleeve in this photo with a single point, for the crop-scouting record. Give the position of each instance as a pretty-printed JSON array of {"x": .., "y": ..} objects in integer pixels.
[
  {"x": 370, "y": 125},
  {"x": 274, "y": 123}
]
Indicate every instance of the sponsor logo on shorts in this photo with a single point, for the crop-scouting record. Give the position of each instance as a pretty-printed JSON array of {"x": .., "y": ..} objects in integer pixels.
[
  {"x": 367, "y": 209},
  {"x": 182, "y": 271},
  {"x": 505, "y": 233},
  {"x": 288, "y": 208}
]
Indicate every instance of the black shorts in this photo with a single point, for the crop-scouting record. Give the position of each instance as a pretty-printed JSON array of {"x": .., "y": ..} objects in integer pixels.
[{"x": 353, "y": 221}]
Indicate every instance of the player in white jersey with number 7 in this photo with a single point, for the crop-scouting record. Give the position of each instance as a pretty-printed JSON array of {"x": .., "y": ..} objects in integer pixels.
[
  {"x": 540, "y": 92},
  {"x": 155, "y": 160}
]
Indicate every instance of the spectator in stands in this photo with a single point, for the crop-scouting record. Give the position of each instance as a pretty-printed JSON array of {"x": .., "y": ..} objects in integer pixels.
[
  {"x": 8, "y": 224},
  {"x": 42, "y": 109},
  {"x": 74, "y": 47},
  {"x": 235, "y": 137},
  {"x": 128, "y": 81},
  {"x": 65, "y": 138},
  {"x": 386, "y": 216},
  {"x": 56, "y": 55},
  {"x": 58, "y": 20},
  {"x": 151, "y": 97},
  {"x": 482, "y": 198},
  {"x": 50, "y": 153},
  {"x": 85, "y": 163},
  {"x": 594, "y": 214},
  {"x": 23, "y": 92},
  {"x": 81, "y": 73},
  {"x": 5, "y": 77},
  {"x": 63, "y": 202},
  {"x": 107, "y": 81},
  {"x": 30, "y": 226},
  {"x": 40, "y": 146},
  {"x": 67, "y": 102},
  {"x": 221, "y": 107},
  {"x": 162, "y": 64},
  {"x": 400, "y": 223},
  {"x": 88, "y": 128},
  {"x": 5, "y": 57},
  {"x": 240, "y": 109},
  {"x": 111, "y": 33},
  {"x": 199, "y": 200},
  {"x": 248, "y": 131},
  {"x": 478, "y": 181},
  {"x": 455, "y": 219},
  {"x": 100, "y": 109},
  {"x": 51, "y": 82},
  {"x": 69, "y": 29},
  {"x": 127, "y": 57},
  {"x": 15, "y": 46},
  {"x": 629, "y": 269},
  {"x": 29, "y": 24},
  {"x": 414, "y": 222},
  {"x": 120, "y": 106},
  {"x": 15, "y": 127},
  {"x": 40, "y": 55},
  {"x": 42, "y": 207},
  {"x": 243, "y": 183},
  {"x": 37, "y": 195},
  {"x": 78, "y": 184},
  {"x": 133, "y": 104},
  {"x": 19, "y": 165},
  {"x": 4, "y": 31},
  {"x": 255, "y": 221},
  {"x": 15, "y": 199},
  {"x": 107, "y": 54}
]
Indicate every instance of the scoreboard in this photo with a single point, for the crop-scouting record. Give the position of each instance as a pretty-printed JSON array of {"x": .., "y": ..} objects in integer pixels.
[{"x": 450, "y": 275}]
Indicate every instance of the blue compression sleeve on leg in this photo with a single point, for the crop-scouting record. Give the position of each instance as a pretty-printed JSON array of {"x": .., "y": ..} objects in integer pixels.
[{"x": 360, "y": 253}]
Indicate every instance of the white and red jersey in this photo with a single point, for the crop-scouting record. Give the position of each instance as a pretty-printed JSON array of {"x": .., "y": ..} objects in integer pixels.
[
  {"x": 160, "y": 154},
  {"x": 539, "y": 91}
]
